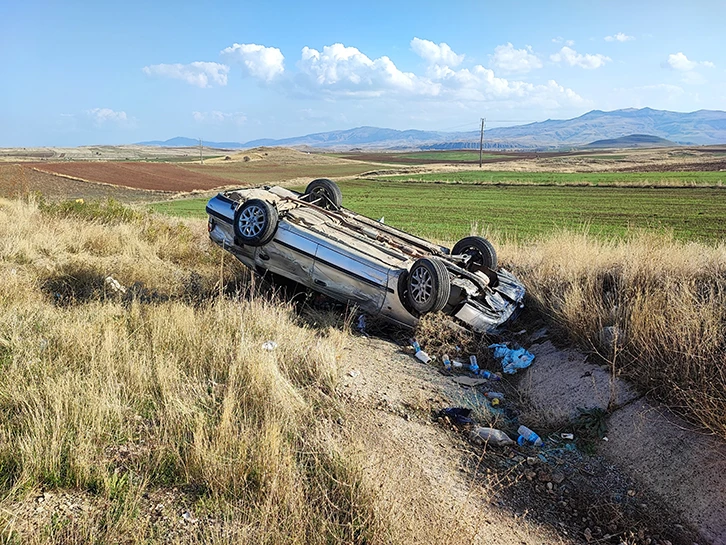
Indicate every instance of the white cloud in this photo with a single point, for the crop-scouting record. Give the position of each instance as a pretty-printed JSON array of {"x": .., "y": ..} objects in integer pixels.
[
  {"x": 678, "y": 61},
  {"x": 217, "y": 117},
  {"x": 561, "y": 40},
  {"x": 105, "y": 116},
  {"x": 510, "y": 60},
  {"x": 265, "y": 63},
  {"x": 573, "y": 58},
  {"x": 349, "y": 72},
  {"x": 434, "y": 54},
  {"x": 345, "y": 71},
  {"x": 619, "y": 37},
  {"x": 201, "y": 74}
]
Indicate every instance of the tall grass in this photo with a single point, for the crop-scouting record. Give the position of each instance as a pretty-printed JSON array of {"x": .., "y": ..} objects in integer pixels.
[
  {"x": 652, "y": 306},
  {"x": 117, "y": 398},
  {"x": 155, "y": 415}
]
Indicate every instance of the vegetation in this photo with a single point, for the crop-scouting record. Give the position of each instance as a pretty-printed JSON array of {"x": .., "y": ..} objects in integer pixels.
[
  {"x": 654, "y": 179},
  {"x": 146, "y": 411},
  {"x": 652, "y": 307},
  {"x": 448, "y": 212}
]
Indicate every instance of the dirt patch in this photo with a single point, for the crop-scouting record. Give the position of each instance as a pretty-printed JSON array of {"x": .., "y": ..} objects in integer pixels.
[
  {"x": 150, "y": 176},
  {"x": 17, "y": 180},
  {"x": 525, "y": 495}
]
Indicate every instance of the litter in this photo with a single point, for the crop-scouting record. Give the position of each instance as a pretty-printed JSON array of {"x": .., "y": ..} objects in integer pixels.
[
  {"x": 457, "y": 364},
  {"x": 527, "y": 436},
  {"x": 114, "y": 285},
  {"x": 494, "y": 395},
  {"x": 473, "y": 365},
  {"x": 458, "y": 415},
  {"x": 269, "y": 345},
  {"x": 447, "y": 362},
  {"x": 490, "y": 436},
  {"x": 512, "y": 359},
  {"x": 362, "y": 323},
  {"x": 422, "y": 356},
  {"x": 568, "y": 436},
  {"x": 489, "y": 375},
  {"x": 469, "y": 381}
]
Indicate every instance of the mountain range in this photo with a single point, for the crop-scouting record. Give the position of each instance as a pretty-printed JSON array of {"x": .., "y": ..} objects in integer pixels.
[{"x": 695, "y": 128}]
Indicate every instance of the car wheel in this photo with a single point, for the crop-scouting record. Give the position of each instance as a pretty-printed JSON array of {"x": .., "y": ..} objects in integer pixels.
[
  {"x": 325, "y": 193},
  {"x": 428, "y": 285},
  {"x": 480, "y": 251},
  {"x": 255, "y": 222}
]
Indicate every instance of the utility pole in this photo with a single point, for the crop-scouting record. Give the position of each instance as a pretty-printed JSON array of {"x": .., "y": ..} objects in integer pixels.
[
  {"x": 481, "y": 140},
  {"x": 201, "y": 157}
]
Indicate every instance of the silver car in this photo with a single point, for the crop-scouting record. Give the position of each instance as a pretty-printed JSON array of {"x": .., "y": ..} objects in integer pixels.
[{"x": 311, "y": 239}]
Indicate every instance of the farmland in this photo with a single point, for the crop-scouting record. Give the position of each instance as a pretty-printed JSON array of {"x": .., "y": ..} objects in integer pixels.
[
  {"x": 150, "y": 176},
  {"x": 667, "y": 178},
  {"x": 448, "y": 212}
]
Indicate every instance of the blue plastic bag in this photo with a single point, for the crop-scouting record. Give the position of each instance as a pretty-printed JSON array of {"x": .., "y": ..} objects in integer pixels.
[{"x": 512, "y": 359}]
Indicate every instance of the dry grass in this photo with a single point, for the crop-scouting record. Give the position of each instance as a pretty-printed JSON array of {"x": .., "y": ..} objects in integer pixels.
[
  {"x": 116, "y": 398},
  {"x": 654, "y": 308},
  {"x": 155, "y": 415}
]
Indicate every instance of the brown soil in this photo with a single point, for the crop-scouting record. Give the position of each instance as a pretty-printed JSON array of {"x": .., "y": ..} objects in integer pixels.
[
  {"x": 18, "y": 180},
  {"x": 150, "y": 176}
]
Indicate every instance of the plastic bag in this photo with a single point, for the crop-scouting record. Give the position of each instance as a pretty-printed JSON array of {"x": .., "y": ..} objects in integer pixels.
[{"x": 512, "y": 359}]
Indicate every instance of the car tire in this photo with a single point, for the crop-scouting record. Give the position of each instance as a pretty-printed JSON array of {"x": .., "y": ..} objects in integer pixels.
[
  {"x": 428, "y": 285},
  {"x": 255, "y": 222},
  {"x": 324, "y": 193},
  {"x": 480, "y": 249}
]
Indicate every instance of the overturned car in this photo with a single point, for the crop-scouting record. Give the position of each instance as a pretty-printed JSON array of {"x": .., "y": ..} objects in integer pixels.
[{"x": 311, "y": 239}]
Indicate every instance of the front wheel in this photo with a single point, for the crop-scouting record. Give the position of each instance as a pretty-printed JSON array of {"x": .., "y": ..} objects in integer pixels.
[
  {"x": 255, "y": 222},
  {"x": 479, "y": 251},
  {"x": 428, "y": 285}
]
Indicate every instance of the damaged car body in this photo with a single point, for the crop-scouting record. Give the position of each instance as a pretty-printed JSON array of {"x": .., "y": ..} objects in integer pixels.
[{"x": 311, "y": 239}]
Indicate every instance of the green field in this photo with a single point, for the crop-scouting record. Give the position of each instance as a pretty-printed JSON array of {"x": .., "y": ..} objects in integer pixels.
[
  {"x": 714, "y": 178},
  {"x": 448, "y": 212}
]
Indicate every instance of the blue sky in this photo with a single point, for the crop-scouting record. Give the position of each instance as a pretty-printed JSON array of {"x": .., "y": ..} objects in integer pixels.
[{"x": 110, "y": 73}]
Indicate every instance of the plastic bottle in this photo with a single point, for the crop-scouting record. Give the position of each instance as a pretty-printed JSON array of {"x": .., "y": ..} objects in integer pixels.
[
  {"x": 447, "y": 362},
  {"x": 491, "y": 436},
  {"x": 489, "y": 375},
  {"x": 422, "y": 356},
  {"x": 494, "y": 395},
  {"x": 527, "y": 436},
  {"x": 416, "y": 346},
  {"x": 473, "y": 365}
]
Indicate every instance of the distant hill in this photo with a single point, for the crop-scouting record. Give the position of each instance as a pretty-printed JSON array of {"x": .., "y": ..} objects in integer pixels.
[
  {"x": 182, "y": 142},
  {"x": 632, "y": 141},
  {"x": 695, "y": 128}
]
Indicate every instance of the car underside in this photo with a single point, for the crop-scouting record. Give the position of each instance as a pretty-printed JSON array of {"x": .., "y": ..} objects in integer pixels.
[{"x": 311, "y": 239}]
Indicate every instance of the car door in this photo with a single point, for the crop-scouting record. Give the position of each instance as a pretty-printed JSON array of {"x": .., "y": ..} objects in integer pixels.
[
  {"x": 290, "y": 253},
  {"x": 345, "y": 275}
]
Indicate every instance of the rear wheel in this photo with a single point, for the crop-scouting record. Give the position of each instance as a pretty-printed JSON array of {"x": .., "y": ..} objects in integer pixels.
[
  {"x": 428, "y": 285},
  {"x": 480, "y": 251},
  {"x": 325, "y": 193},
  {"x": 255, "y": 222}
]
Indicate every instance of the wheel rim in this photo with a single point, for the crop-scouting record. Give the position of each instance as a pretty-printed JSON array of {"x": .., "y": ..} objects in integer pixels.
[
  {"x": 252, "y": 221},
  {"x": 320, "y": 194},
  {"x": 422, "y": 285},
  {"x": 475, "y": 256}
]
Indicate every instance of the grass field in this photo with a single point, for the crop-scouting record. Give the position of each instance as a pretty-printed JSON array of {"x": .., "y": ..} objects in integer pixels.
[
  {"x": 570, "y": 178},
  {"x": 448, "y": 212}
]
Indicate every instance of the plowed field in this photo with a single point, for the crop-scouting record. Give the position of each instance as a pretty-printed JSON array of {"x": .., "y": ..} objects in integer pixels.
[{"x": 154, "y": 176}]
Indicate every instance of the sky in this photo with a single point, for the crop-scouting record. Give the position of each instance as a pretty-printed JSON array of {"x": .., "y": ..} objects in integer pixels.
[{"x": 83, "y": 73}]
